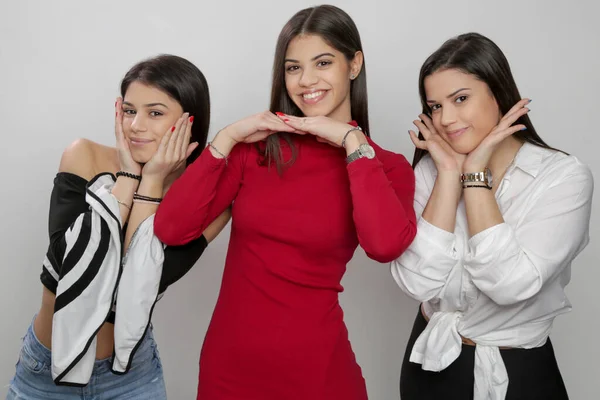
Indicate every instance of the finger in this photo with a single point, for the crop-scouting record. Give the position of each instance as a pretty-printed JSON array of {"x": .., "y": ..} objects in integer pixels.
[
  {"x": 428, "y": 123},
  {"x": 297, "y": 123},
  {"x": 508, "y": 120},
  {"x": 172, "y": 145},
  {"x": 276, "y": 124},
  {"x": 164, "y": 143},
  {"x": 188, "y": 134},
  {"x": 517, "y": 107},
  {"x": 420, "y": 144},
  {"x": 190, "y": 149},
  {"x": 119, "y": 120},
  {"x": 423, "y": 129},
  {"x": 178, "y": 149},
  {"x": 509, "y": 131}
]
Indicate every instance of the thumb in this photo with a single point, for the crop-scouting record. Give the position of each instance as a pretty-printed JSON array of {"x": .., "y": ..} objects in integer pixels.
[{"x": 191, "y": 147}]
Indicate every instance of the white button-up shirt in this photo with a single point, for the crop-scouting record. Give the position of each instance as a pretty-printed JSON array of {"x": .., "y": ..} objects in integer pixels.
[{"x": 505, "y": 285}]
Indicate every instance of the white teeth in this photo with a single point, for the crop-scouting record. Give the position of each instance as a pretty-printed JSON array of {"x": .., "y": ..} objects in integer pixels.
[{"x": 312, "y": 95}]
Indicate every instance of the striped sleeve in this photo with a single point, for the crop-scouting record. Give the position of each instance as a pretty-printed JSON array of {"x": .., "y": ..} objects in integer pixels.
[{"x": 86, "y": 258}]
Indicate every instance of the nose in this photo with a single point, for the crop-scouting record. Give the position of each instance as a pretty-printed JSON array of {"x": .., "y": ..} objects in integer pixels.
[
  {"x": 308, "y": 78},
  {"x": 448, "y": 116},
  {"x": 139, "y": 123}
]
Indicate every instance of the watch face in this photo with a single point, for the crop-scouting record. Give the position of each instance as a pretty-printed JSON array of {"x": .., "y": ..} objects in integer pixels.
[
  {"x": 488, "y": 177},
  {"x": 367, "y": 151}
]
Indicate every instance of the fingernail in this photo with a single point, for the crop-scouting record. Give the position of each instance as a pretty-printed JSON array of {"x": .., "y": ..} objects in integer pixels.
[
  {"x": 115, "y": 103},
  {"x": 279, "y": 113},
  {"x": 116, "y": 113},
  {"x": 524, "y": 129},
  {"x": 530, "y": 100},
  {"x": 409, "y": 132},
  {"x": 173, "y": 129},
  {"x": 192, "y": 118},
  {"x": 285, "y": 120}
]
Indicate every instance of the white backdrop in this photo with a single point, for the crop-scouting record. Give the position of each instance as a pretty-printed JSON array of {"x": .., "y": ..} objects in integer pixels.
[{"x": 60, "y": 67}]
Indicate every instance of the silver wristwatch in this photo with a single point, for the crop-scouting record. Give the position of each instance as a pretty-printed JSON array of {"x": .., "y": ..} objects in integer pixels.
[
  {"x": 364, "y": 150},
  {"x": 484, "y": 177}
]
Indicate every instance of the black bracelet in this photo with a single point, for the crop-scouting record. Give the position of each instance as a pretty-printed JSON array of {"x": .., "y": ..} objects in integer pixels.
[
  {"x": 477, "y": 186},
  {"x": 146, "y": 198},
  {"x": 129, "y": 175}
]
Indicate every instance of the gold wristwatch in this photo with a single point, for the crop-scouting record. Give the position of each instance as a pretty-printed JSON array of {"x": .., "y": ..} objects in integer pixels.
[{"x": 484, "y": 177}]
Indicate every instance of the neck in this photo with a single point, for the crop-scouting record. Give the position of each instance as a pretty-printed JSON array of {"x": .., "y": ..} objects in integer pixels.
[{"x": 503, "y": 155}]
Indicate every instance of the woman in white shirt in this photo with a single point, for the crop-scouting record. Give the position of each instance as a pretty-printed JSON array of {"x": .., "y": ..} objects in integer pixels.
[{"x": 501, "y": 216}]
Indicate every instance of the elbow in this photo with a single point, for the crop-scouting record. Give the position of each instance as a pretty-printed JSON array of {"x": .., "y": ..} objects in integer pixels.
[
  {"x": 415, "y": 286},
  {"x": 512, "y": 293},
  {"x": 389, "y": 248},
  {"x": 165, "y": 231}
]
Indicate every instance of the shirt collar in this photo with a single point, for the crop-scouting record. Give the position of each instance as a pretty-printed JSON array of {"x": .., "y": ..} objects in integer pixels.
[{"x": 529, "y": 158}]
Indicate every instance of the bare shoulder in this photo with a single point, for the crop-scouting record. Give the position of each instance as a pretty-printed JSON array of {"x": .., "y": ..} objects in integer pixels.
[{"x": 86, "y": 158}]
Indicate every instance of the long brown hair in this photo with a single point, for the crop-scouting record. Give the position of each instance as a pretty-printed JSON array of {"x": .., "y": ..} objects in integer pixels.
[
  {"x": 475, "y": 54},
  {"x": 184, "y": 82},
  {"x": 336, "y": 28}
]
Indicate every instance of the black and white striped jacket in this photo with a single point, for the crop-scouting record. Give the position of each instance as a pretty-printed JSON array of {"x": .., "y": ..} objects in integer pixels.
[{"x": 95, "y": 282}]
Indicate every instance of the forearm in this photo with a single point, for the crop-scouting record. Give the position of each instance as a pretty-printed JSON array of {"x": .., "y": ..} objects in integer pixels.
[
  {"x": 148, "y": 187},
  {"x": 440, "y": 210},
  {"x": 123, "y": 191},
  {"x": 482, "y": 209}
]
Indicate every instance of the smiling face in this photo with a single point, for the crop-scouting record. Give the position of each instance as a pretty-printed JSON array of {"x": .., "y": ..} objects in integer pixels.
[
  {"x": 318, "y": 77},
  {"x": 147, "y": 115},
  {"x": 463, "y": 109}
]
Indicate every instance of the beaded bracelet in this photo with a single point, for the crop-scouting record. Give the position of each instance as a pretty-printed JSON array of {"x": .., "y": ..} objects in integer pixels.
[{"x": 129, "y": 175}]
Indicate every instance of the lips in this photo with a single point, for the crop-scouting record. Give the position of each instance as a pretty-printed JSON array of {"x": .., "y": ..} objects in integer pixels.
[
  {"x": 139, "y": 141},
  {"x": 313, "y": 96},
  {"x": 456, "y": 133}
]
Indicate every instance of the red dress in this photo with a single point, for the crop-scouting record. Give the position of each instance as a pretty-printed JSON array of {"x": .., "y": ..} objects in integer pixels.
[{"x": 277, "y": 331}]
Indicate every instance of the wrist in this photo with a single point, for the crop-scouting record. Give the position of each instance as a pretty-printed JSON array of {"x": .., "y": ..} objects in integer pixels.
[
  {"x": 151, "y": 186},
  {"x": 353, "y": 141},
  {"x": 126, "y": 184},
  {"x": 224, "y": 143},
  {"x": 473, "y": 168},
  {"x": 450, "y": 179}
]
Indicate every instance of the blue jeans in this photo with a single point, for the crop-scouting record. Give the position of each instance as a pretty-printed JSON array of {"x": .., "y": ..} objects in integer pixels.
[{"x": 33, "y": 380}]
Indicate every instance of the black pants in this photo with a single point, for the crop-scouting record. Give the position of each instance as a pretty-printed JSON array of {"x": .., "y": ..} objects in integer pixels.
[{"x": 533, "y": 374}]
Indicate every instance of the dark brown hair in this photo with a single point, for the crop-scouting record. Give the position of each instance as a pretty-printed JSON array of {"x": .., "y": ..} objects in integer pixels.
[
  {"x": 475, "y": 54},
  {"x": 336, "y": 28},
  {"x": 182, "y": 81}
]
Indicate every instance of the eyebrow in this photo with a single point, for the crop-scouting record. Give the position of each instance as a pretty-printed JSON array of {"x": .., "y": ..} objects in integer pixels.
[
  {"x": 313, "y": 59},
  {"x": 147, "y": 105},
  {"x": 451, "y": 94}
]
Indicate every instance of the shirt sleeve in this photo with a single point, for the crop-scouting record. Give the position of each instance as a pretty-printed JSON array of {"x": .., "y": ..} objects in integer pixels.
[
  {"x": 511, "y": 264},
  {"x": 206, "y": 188},
  {"x": 88, "y": 270},
  {"x": 382, "y": 191},
  {"x": 423, "y": 269},
  {"x": 67, "y": 204}
]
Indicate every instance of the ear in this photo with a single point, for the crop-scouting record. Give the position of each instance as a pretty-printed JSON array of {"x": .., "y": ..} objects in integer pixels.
[{"x": 356, "y": 64}]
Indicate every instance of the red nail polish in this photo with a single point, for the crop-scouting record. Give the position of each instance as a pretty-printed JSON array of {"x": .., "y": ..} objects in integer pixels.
[
  {"x": 279, "y": 113},
  {"x": 192, "y": 118},
  {"x": 285, "y": 120},
  {"x": 173, "y": 129}
]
